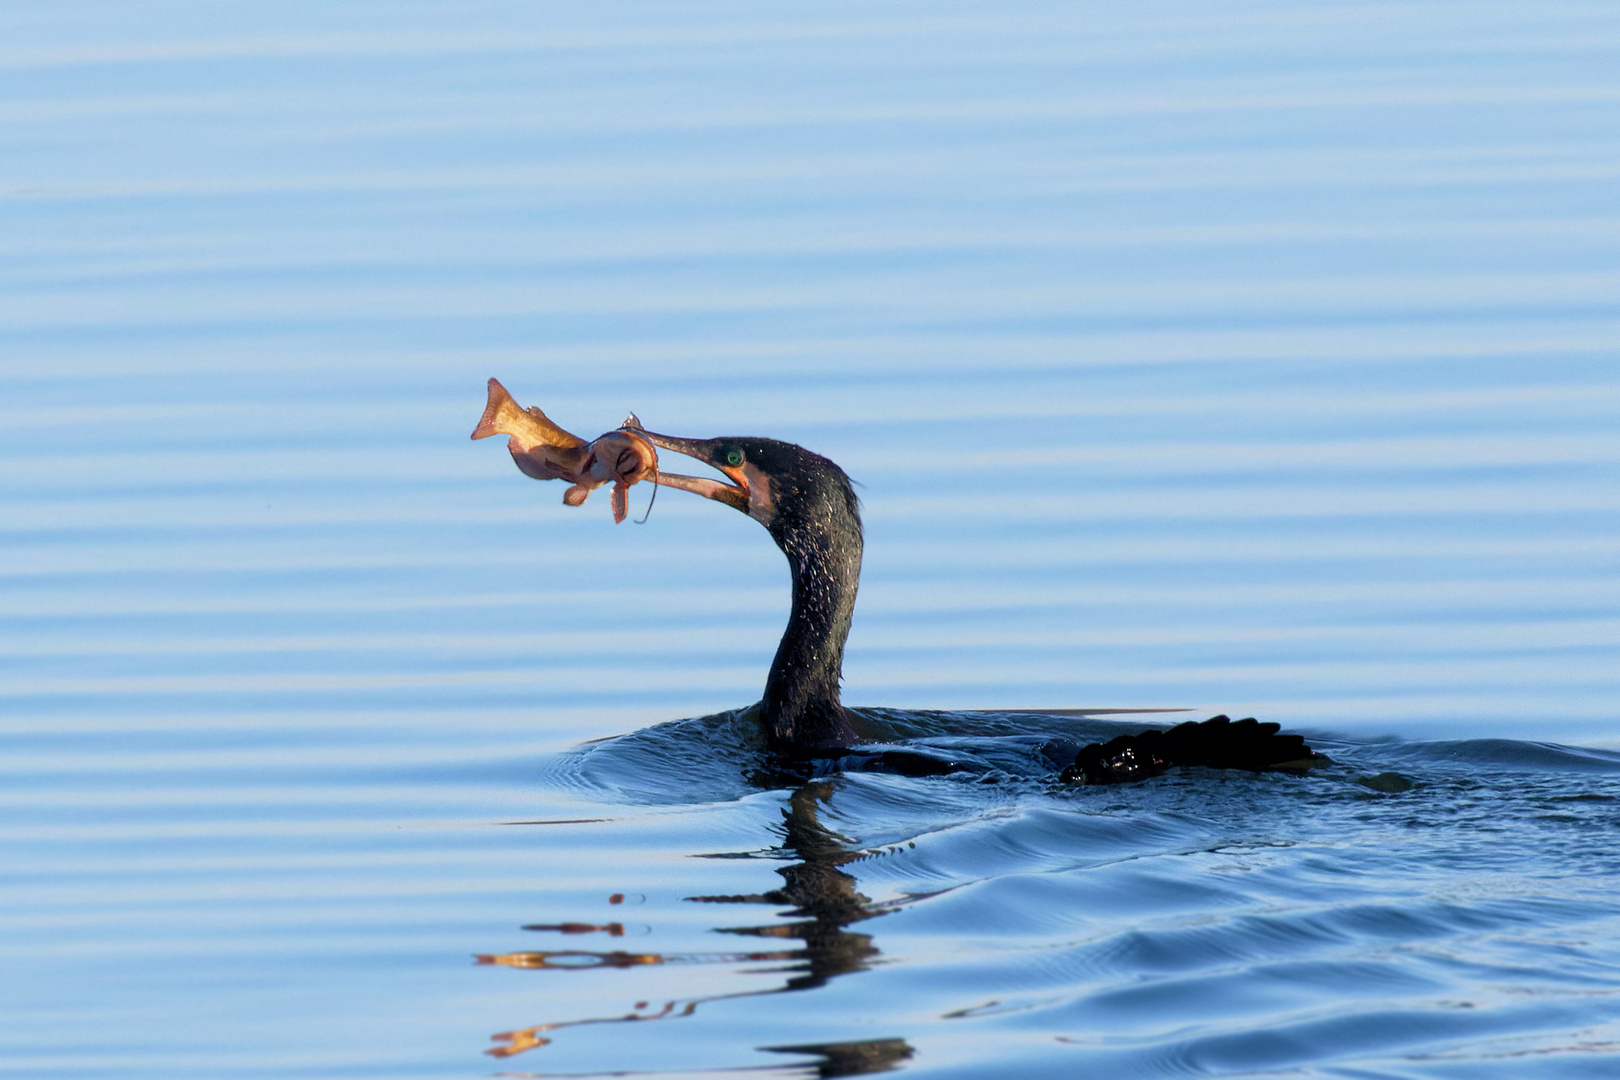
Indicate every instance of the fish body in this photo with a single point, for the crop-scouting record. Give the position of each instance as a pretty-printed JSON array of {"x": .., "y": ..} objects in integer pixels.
[
  {"x": 541, "y": 449},
  {"x": 545, "y": 451}
]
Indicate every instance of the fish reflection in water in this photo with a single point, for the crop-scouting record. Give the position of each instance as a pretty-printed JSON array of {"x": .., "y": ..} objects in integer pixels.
[{"x": 820, "y": 898}]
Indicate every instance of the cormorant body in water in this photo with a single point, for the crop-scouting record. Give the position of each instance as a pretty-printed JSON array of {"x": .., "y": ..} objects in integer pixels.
[{"x": 807, "y": 505}]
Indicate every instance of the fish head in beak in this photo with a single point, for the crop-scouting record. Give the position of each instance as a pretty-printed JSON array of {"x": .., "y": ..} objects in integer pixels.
[{"x": 750, "y": 487}]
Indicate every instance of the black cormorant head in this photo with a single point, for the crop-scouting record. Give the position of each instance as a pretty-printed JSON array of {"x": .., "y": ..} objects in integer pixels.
[{"x": 784, "y": 487}]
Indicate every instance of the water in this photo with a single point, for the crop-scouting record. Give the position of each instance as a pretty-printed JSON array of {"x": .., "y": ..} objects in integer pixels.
[{"x": 1258, "y": 361}]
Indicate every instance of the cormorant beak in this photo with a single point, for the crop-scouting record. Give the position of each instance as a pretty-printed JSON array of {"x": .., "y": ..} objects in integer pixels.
[{"x": 735, "y": 494}]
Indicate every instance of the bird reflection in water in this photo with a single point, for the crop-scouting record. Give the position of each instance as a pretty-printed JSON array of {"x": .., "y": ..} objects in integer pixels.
[{"x": 820, "y": 900}]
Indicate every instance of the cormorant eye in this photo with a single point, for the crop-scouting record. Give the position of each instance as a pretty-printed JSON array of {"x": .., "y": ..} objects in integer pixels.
[{"x": 734, "y": 457}]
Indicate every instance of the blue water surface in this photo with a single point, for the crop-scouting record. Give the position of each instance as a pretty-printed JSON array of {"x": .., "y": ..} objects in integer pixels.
[{"x": 1260, "y": 359}]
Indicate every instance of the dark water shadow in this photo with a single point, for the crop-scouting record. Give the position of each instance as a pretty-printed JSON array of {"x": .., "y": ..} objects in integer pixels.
[{"x": 815, "y": 945}]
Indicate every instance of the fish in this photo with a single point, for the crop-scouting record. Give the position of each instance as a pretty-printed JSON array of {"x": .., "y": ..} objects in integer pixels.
[{"x": 545, "y": 451}]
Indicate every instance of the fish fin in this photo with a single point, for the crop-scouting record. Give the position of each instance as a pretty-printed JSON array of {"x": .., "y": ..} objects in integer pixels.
[
  {"x": 555, "y": 435},
  {"x": 621, "y": 501},
  {"x": 576, "y": 495}
]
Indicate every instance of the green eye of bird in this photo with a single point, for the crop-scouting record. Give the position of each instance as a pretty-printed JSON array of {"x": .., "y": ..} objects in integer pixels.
[{"x": 734, "y": 457}]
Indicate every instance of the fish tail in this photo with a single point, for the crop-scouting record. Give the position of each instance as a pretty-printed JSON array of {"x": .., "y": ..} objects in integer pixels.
[
  {"x": 497, "y": 414},
  {"x": 503, "y": 416}
]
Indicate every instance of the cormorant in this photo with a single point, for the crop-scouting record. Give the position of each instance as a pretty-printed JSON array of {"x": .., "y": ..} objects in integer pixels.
[{"x": 807, "y": 505}]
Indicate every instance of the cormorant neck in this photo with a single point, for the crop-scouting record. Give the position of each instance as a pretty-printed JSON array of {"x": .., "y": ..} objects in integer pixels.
[{"x": 801, "y": 709}]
